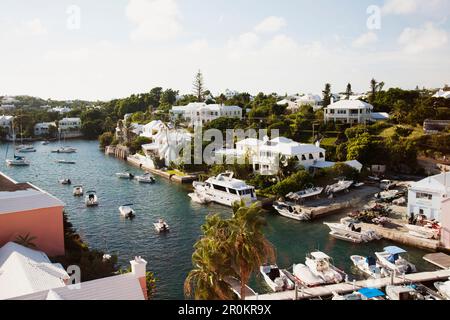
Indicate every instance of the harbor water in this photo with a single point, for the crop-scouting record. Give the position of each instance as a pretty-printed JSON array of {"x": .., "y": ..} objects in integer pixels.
[{"x": 168, "y": 255}]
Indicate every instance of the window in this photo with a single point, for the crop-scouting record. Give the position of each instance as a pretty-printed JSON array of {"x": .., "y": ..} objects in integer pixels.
[
  {"x": 321, "y": 155},
  {"x": 303, "y": 157},
  {"x": 311, "y": 157},
  {"x": 220, "y": 188},
  {"x": 424, "y": 196}
]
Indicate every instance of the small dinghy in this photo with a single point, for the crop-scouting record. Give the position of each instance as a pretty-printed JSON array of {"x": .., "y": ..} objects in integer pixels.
[
  {"x": 146, "y": 178},
  {"x": 125, "y": 175},
  {"x": 161, "y": 226},
  {"x": 66, "y": 182},
  {"x": 276, "y": 279},
  {"x": 127, "y": 211},
  {"x": 91, "y": 199},
  {"x": 78, "y": 191}
]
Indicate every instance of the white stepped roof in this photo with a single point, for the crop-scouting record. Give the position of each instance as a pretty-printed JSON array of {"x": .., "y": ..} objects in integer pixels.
[
  {"x": 439, "y": 183},
  {"x": 25, "y": 271},
  {"x": 350, "y": 104}
]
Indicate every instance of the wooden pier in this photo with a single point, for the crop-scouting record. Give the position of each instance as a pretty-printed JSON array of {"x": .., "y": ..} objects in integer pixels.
[
  {"x": 439, "y": 259},
  {"x": 343, "y": 288}
]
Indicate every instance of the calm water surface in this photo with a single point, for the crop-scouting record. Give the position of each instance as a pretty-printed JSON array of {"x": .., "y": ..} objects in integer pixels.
[{"x": 169, "y": 255}]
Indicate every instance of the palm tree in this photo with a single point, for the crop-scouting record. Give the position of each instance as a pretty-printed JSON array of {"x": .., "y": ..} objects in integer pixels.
[
  {"x": 348, "y": 91},
  {"x": 250, "y": 248},
  {"x": 327, "y": 95},
  {"x": 26, "y": 241}
]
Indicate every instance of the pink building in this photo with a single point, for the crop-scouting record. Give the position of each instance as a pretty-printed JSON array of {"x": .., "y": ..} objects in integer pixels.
[
  {"x": 445, "y": 220},
  {"x": 26, "y": 209}
]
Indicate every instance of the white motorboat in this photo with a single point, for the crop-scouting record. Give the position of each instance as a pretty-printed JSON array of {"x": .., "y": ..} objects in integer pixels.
[
  {"x": 348, "y": 231},
  {"x": 342, "y": 185},
  {"x": 65, "y": 150},
  {"x": 65, "y": 162},
  {"x": 304, "y": 194},
  {"x": 18, "y": 162},
  {"x": 197, "y": 197},
  {"x": 321, "y": 266},
  {"x": 126, "y": 211},
  {"x": 402, "y": 293},
  {"x": 368, "y": 266},
  {"x": 26, "y": 149},
  {"x": 276, "y": 279},
  {"x": 125, "y": 175},
  {"x": 387, "y": 195},
  {"x": 422, "y": 232},
  {"x": 66, "y": 182},
  {"x": 146, "y": 178},
  {"x": 78, "y": 191},
  {"x": 362, "y": 294},
  {"x": 226, "y": 190},
  {"x": 44, "y": 143},
  {"x": 161, "y": 226},
  {"x": 291, "y": 211},
  {"x": 304, "y": 275},
  {"x": 391, "y": 260},
  {"x": 91, "y": 199},
  {"x": 443, "y": 288},
  {"x": 359, "y": 184},
  {"x": 386, "y": 184}
]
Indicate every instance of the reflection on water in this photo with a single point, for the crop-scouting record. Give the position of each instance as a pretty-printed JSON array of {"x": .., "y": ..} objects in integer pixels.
[{"x": 168, "y": 255}]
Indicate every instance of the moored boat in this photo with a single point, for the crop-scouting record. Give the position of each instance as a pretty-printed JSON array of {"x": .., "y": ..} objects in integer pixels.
[
  {"x": 349, "y": 232},
  {"x": 443, "y": 288},
  {"x": 304, "y": 194},
  {"x": 161, "y": 226},
  {"x": 321, "y": 266},
  {"x": 65, "y": 162},
  {"x": 67, "y": 182},
  {"x": 362, "y": 294},
  {"x": 342, "y": 185},
  {"x": 305, "y": 276},
  {"x": 91, "y": 199},
  {"x": 125, "y": 175},
  {"x": 126, "y": 211},
  {"x": 78, "y": 191},
  {"x": 402, "y": 293},
  {"x": 291, "y": 211},
  {"x": 276, "y": 279},
  {"x": 368, "y": 266},
  {"x": 146, "y": 178},
  {"x": 18, "y": 161},
  {"x": 391, "y": 260},
  {"x": 65, "y": 150},
  {"x": 197, "y": 197}
]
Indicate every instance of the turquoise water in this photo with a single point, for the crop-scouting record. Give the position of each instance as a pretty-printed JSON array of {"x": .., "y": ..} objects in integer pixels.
[{"x": 168, "y": 255}]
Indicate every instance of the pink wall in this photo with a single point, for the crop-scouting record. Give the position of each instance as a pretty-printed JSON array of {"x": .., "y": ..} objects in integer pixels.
[
  {"x": 45, "y": 224},
  {"x": 445, "y": 220}
]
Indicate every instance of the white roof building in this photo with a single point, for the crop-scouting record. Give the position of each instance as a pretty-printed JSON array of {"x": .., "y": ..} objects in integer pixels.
[
  {"x": 197, "y": 114},
  {"x": 7, "y": 107},
  {"x": 349, "y": 111},
  {"x": 442, "y": 94},
  {"x": 427, "y": 196},
  {"x": 60, "y": 110},
  {"x": 43, "y": 128},
  {"x": 295, "y": 102}
]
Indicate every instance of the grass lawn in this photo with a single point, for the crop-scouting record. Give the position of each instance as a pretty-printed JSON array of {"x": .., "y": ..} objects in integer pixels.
[
  {"x": 328, "y": 142},
  {"x": 389, "y": 132},
  {"x": 176, "y": 173}
]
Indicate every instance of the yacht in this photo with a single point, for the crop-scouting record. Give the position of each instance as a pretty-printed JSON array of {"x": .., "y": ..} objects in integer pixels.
[
  {"x": 161, "y": 226},
  {"x": 146, "y": 178},
  {"x": 391, "y": 260},
  {"x": 321, "y": 266},
  {"x": 368, "y": 266},
  {"x": 276, "y": 279},
  {"x": 91, "y": 199},
  {"x": 125, "y": 175},
  {"x": 18, "y": 162},
  {"x": 348, "y": 231},
  {"x": 291, "y": 211},
  {"x": 78, "y": 191},
  {"x": 226, "y": 190},
  {"x": 127, "y": 211}
]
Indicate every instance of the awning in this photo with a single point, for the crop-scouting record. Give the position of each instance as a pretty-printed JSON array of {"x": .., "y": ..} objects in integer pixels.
[
  {"x": 370, "y": 293},
  {"x": 394, "y": 250}
]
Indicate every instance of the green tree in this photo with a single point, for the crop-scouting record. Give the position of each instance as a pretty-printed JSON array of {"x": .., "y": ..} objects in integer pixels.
[
  {"x": 199, "y": 87},
  {"x": 348, "y": 91},
  {"x": 327, "y": 95},
  {"x": 106, "y": 139}
]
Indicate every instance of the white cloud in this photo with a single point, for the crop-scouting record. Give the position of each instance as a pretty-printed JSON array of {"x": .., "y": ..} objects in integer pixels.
[
  {"x": 198, "y": 46},
  {"x": 400, "y": 7},
  {"x": 425, "y": 38},
  {"x": 406, "y": 7},
  {"x": 365, "y": 40},
  {"x": 243, "y": 44},
  {"x": 29, "y": 28},
  {"x": 34, "y": 27},
  {"x": 270, "y": 25},
  {"x": 154, "y": 19}
]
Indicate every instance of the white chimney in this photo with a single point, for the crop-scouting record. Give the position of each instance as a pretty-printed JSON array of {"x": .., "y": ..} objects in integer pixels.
[{"x": 138, "y": 267}]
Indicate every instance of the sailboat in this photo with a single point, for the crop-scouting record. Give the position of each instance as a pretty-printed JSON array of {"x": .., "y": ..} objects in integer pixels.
[
  {"x": 18, "y": 161},
  {"x": 64, "y": 149}
]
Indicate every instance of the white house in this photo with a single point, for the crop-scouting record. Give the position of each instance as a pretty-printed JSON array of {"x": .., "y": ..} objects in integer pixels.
[
  {"x": 428, "y": 195},
  {"x": 295, "y": 102},
  {"x": 6, "y": 123},
  {"x": 349, "y": 111},
  {"x": 166, "y": 143},
  {"x": 60, "y": 110},
  {"x": 70, "y": 127},
  {"x": 442, "y": 94},
  {"x": 7, "y": 107},
  {"x": 43, "y": 129},
  {"x": 198, "y": 114},
  {"x": 9, "y": 100}
]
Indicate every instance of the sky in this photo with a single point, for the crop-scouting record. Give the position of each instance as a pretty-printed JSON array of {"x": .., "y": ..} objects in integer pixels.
[{"x": 106, "y": 49}]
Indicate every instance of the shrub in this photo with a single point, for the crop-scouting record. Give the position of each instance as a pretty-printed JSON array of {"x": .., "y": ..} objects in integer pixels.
[{"x": 294, "y": 183}]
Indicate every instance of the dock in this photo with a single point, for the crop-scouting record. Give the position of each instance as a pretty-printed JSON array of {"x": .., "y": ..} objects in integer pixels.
[
  {"x": 439, "y": 259},
  {"x": 344, "y": 288}
]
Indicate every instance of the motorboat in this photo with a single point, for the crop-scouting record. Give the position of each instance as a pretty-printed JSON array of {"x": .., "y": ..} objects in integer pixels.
[
  {"x": 125, "y": 175},
  {"x": 391, "y": 260},
  {"x": 65, "y": 162},
  {"x": 386, "y": 184},
  {"x": 359, "y": 185},
  {"x": 387, "y": 195},
  {"x": 342, "y": 185},
  {"x": 402, "y": 293},
  {"x": 291, "y": 211},
  {"x": 276, "y": 279},
  {"x": 161, "y": 226},
  {"x": 321, "y": 266},
  {"x": 91, "y": 199},
  {"x": 126, "y": 211},
  {"x": 18, "y": 161},
  {"x": 45, "y": 143},
  {"x": 362, "y": 294},
  {"x": 65, "y": 150},
  {"x": 443, "y": 288},
  {"x": 304, "y": 275},
  {"x": 66, "y": 182},
  {"x": 226, "y": 190},
  {"x": 304, "y": 194},
  {"x": 422, "y": 232},
  {"x": 197, "y": 197},
  {"x": 78, "y": 191},
  {"x": 349, "y": 232},
  {"x": 146, "y": 178},
  {"x": 26, "y": 149},
  {"x": 368, "y": 266}
]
